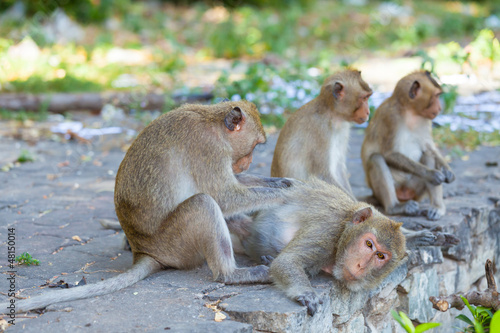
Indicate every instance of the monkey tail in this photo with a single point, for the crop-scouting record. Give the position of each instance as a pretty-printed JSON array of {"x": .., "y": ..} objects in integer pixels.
[{"x": 144, "y": 267}]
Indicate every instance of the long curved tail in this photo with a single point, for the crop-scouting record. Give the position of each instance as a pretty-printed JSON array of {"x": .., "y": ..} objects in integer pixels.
[{"x": 144, "y": 267}]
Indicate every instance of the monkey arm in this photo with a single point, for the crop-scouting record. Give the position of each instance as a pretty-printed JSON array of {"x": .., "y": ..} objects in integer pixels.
[
  {"x": 236, "y": 198},
  {"x": 440, "y": 164},
  {"x": 256, "y": 180},
  {"x": 401, "y": 162},
  {"x": 288, "y": 273}
]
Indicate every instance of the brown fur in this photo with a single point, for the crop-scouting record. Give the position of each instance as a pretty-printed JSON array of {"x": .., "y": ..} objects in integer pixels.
[
  {"x": 313, "y": 142},
  {"x": 314, "y": 230},
  {"x": 399, "y": 156},
  {"x": 173, "y": 189}
]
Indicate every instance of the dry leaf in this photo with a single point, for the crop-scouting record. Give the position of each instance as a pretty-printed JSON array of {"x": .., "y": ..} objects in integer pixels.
[
  {"x": 3, "y": 325},
  {"x": 77, "y": 238},
  {"x": 219, "y": 316}
]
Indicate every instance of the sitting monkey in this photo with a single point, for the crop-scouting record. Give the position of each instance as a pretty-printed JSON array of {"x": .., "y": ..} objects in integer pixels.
[
  {"x": 401, "y": 161},
  {"x": 314, "y": 141},
  {"x": 174, "y": 187}
]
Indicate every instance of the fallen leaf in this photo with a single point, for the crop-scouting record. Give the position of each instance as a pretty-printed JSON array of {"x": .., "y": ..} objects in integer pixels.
[
  {"x": 3, "y": 325},
  {"x": 52, "y": 176},
  {"x": 219, "y": 316},
  {"x": 77, "y": 238},
  {"x": 63, "y": 164},
  {"x": 44, "y": 212}
]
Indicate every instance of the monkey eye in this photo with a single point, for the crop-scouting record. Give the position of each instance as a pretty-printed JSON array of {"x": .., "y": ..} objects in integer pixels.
[
  {"x": 380, "y": 255},
  {"x": 369, "y": 244}
]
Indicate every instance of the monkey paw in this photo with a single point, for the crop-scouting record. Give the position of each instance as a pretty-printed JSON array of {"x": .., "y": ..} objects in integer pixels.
[
  {"x": 311, "y": 301},
  {"x": 411, "y": 208},
  {"x": 266, "y": 260},
  {"x": 432, "y": 214},
  {"x": 436, "y": 177},
  {"x": 421, "y": 238},
  {"x": 448, "y": 175}
]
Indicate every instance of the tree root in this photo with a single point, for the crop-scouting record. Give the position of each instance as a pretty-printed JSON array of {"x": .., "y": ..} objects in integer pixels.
[{"x": 488, "y": 298}]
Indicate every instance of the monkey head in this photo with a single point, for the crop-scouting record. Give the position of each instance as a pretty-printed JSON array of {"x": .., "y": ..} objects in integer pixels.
[
  {"x": 349, "y": 94},
  {"x": 244, "y": 131},
  {"x": 370, "y": 248},
  {"x": 421, "y": 93}
]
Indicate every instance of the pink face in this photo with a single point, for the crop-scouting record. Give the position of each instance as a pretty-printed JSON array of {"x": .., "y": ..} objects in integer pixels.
[
  {"x": 363, "y": 256},
  {"x": 362, "y": 112},
  {"x": 243, "y": 163},
  {"x": 434, "y": 107}
]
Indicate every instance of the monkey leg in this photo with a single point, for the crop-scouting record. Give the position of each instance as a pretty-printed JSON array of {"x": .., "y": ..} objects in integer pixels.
[
  {"x": 384, "y": 188},
  {"x": 435, "y": 192},
  {"x": 196, "y": 231}
]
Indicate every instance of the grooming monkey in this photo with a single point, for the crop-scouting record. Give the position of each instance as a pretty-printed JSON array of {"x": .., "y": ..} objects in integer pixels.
[
  {"x": 173, "y": 189},
  {"x": 321, "y": 228},
  {"x": 400, "y": 159},
  {"x": 314, "y": 141}
]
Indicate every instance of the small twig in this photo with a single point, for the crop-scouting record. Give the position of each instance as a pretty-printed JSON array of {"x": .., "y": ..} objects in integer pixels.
[{"x": 489, "y": 298}]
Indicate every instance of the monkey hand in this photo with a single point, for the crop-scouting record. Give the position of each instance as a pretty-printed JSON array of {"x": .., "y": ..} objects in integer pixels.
[
  {"x": 435, "y": 177},
  {"x": 278, "y": 182},
  {"x": 266, "y": 260},
  {"x": 311, "y": 300},
  {"x": 448, "y": 175}
]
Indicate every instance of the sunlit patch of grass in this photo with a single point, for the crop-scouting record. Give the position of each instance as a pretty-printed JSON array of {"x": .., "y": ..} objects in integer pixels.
[
  {"x": 69, "y": 83},
  {"x": 23, "y": 115},
  {"x": 466, "y": 140}
]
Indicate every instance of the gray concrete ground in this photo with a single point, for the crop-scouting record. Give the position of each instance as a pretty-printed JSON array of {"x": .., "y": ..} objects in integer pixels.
[{"x": 55, "y": 203}]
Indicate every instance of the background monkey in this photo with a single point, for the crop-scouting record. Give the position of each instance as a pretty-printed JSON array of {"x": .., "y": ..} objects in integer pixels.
[
  {"x": 173, "y": 189},
  {"x": 400, "y": 159},
  {"x": 314, "y": 140},
  {"x": 321, "y": 228}
]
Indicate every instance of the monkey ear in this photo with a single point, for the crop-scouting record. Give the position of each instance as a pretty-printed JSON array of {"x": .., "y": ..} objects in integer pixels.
[
  {"x": 234, "y": 119},
  {"x": 338, "y": 90},
  {"x": 362, "y": 215},
  {"x": 414, "y": 89}
]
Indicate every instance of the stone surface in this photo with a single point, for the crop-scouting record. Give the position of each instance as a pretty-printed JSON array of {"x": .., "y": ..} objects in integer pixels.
[{"x": 69, "y": 187}]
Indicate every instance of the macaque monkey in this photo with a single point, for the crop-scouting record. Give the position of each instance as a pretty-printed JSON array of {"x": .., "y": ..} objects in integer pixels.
[
  {"x": 321, "y": 228},
  {"x": 314, "y": 141},
  {"x": 401, "y": 161},
  {"x": 175, "y": 186}
]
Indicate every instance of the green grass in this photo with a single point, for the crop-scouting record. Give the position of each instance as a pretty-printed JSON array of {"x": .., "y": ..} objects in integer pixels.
[
  {"x": 27, "y": 259},
  {"x": 465, "y": 140}
]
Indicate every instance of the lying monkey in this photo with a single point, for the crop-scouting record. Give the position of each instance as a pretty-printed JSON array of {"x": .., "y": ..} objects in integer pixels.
[{"x": 320, "y": 227}]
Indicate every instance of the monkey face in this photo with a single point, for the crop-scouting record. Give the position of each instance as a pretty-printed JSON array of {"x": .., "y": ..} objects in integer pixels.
[
  {"x": 244, "y": 132},
  {"x": 434, "y": 106},
  {"x": 243, "y": 163},
  {"x": 363, "y": 258},
  {"x": 362, "y": 112}
]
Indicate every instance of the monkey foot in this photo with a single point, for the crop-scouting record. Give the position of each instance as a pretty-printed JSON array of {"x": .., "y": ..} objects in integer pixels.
[
  {"x": 410, "y": 208},
  {"x": 432, "y": 214}
]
